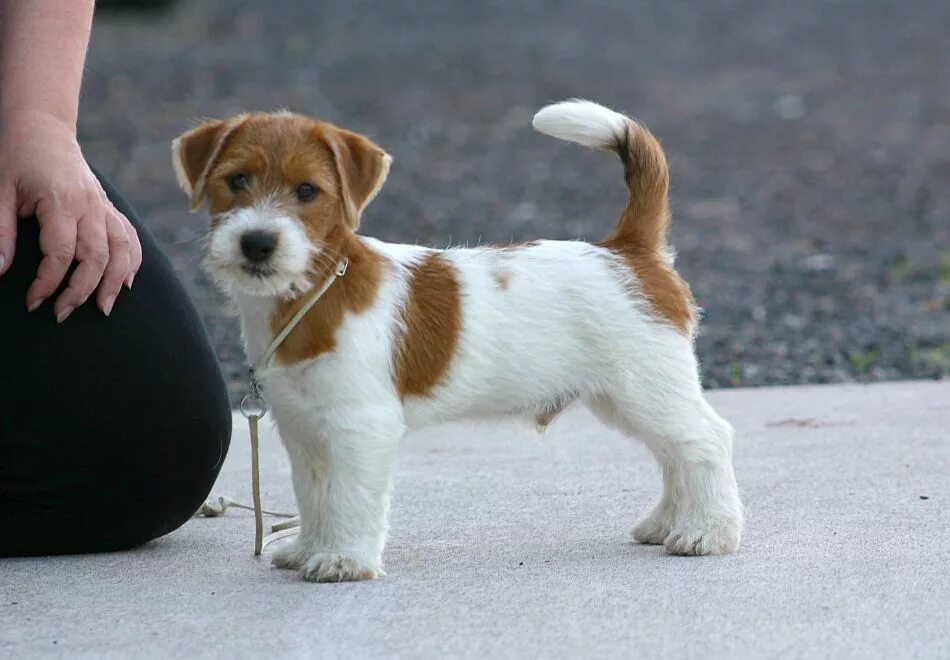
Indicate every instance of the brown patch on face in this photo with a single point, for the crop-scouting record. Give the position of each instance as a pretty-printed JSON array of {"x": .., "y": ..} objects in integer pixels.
[
  {"x": 667, "y": 292},
  {"x": 433, "y": 320},
  {"x": 351, "y": 294},
  {"x": 276, "y": 153}
]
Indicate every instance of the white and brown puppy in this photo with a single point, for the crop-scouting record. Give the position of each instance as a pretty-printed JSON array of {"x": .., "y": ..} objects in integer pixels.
[{"x": 411, "y": 336}]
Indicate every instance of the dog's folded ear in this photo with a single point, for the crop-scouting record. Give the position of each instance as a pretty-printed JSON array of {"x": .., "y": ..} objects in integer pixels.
[
  {"x": 362, "y": 168},
  {"x": 194, "y": 152}
]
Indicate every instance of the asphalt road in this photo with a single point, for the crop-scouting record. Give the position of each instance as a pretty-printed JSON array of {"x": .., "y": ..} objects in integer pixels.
[{"x": 809, "y": 143}]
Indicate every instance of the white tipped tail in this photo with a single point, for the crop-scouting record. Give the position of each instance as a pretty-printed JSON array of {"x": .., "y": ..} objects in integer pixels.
[
  {"x": 584, "y": 122},
  {"x": 645, "y": 221}
]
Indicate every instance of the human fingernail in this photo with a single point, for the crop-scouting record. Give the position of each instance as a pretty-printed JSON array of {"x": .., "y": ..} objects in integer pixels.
[
  {"x": 107, "y": 307},
  {"x": 3, "y": 262},
  {"x": 35, "y": 305},
  {"x": 129, "y": 280},
  {"x": 63, "y": 315}
]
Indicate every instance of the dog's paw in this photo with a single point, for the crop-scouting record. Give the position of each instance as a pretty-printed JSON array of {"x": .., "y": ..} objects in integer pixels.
[
  {"x": 706, "y": 536},
  {"x": 334, "y": 567},
  {"x": 292, "y": 555},
  {"x": 653, "y": 529}
]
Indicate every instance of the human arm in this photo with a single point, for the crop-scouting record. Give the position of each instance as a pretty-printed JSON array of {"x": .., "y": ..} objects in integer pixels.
[{"x": 42, "y": 169}]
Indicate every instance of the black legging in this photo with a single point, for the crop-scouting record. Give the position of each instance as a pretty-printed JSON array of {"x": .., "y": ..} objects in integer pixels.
[{"x": 112, "y": 430}]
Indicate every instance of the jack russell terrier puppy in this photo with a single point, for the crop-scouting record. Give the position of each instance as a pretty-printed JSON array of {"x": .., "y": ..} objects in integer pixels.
[{"x": 409, "y": 336}]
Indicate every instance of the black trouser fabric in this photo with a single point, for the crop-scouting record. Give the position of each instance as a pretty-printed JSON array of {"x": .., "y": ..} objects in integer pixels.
[{"x": 112, "y": 430}]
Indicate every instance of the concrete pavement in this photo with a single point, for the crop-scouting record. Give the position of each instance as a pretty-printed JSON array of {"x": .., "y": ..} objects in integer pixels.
[{"x": 507, "y": 544}]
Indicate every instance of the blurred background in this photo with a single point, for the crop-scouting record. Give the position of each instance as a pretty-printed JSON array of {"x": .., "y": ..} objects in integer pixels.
[{"x": 809, "y": 143}]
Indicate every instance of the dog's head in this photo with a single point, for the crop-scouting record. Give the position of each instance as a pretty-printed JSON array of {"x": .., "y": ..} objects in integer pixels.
[{"x": 282, "y": 189}]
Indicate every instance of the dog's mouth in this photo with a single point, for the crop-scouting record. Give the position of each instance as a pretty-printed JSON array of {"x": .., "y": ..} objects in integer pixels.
[
  {"x": 259, "y": 254},
  {"x": 260, "y": 271},
  {"x": 253, "y": 279},
  {"x": 264, "y": 279}
]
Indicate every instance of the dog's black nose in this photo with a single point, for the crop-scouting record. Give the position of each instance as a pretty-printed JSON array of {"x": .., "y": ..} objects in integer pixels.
[{"x": 258, "y": 246}]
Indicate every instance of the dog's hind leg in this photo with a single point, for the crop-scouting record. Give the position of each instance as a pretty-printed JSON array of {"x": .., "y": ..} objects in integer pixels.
[
  {"x": 655, "y": 527},
  {"x": 699, "y": 512}
]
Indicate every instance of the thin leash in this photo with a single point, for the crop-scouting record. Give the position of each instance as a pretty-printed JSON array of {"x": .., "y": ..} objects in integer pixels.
[{"x": 254, "y": 408}]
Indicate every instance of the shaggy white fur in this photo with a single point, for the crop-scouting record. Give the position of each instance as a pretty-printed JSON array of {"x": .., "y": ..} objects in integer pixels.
[{"x": 572, "y": 323}]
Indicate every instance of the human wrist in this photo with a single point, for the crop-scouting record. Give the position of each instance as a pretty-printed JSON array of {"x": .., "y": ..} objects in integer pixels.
[{"x": 17, "y": 119}]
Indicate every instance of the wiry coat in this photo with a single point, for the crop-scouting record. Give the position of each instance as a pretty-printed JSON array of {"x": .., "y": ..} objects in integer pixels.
[{"x": 411, "y": 336}]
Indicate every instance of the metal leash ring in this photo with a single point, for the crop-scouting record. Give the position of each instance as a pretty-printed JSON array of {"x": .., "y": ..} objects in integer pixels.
[{"x": 253, "y": 405}]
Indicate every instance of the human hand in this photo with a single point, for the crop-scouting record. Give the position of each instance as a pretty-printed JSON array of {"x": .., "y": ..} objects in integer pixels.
[{"x": 43, "y": 173}]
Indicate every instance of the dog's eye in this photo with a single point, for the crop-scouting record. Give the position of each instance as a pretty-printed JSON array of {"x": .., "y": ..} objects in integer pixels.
[
  {"x": 238, "y": 182},
  {"x": 306, "y": 192}
]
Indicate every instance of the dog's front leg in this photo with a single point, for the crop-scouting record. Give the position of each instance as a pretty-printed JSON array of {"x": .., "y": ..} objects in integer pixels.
[{"x": 343, "y": 482}]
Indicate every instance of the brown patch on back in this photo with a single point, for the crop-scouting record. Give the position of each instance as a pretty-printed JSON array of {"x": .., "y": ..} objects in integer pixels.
[
  {"x": 667, "y": 292},
  {"x": 352, "y": 293},
  {"x": 502, "y": 275},
  {"x": 501, "y": 278},
  {"x": 433, "y": 320}
]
